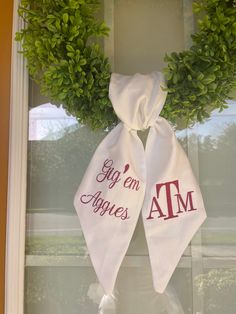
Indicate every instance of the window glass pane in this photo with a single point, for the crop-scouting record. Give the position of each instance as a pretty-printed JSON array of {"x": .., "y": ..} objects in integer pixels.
[
  {"x": 75, "y": 290},
  {"x": 216, "y": 141},
  {"x": 59, "y": 290},
  {"x": 144, "y": 32}
]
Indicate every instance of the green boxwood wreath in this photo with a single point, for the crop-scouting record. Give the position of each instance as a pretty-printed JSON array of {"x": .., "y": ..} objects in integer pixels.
[{"x": 71, "y": 69}]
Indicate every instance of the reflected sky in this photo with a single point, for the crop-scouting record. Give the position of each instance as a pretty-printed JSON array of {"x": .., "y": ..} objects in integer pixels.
[
  {"x": 48, "y": 122},
  {"x": 215, "y": 125}
]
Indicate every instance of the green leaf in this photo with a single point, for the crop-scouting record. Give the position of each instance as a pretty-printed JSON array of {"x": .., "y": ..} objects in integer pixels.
[
  {"x": 65, "y": 17},
  {"x": 70, "y": 48}
]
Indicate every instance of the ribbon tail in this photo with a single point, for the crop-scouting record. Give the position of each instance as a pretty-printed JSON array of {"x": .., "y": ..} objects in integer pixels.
[
  {"x": 108, "y": 205},
  {"x": 173, "y": 303},
  {"x": 107, "y": 304},
  {"x": 173, "y": 207}
]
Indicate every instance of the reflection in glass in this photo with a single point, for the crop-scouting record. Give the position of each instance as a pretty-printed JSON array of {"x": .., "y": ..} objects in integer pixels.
[
  {"x": 217, "y": 153},
  {"x": 48, "y": 122},
  {"x": 59, "y": 151},
  {"x": 73, "y": 290},
  {"x": 218, "y": 288},
  {"x": 58, "y": 290}
]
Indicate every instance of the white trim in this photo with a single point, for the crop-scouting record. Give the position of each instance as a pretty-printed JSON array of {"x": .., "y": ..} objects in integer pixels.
[
  {"x": 196, "y": 242},
  {"x": 135, "y": 261},
  {"x": 84, "y": 261},
  {"x": 189, "y": 25},
  {"x": 15, "y": 241},
  {"x": 109, "y": 42}
]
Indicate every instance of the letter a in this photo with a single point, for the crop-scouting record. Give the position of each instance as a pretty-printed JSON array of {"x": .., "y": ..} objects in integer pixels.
[{"x": 158, "y": 209}]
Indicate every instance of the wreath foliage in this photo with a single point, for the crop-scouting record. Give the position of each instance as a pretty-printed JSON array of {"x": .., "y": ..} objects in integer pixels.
[{"x": 63, "y": 58}]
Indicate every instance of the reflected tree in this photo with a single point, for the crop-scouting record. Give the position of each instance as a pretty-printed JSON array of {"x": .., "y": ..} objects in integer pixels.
[
  {"x": 218, "y": 288},
  {"x": 217, "y": 170},
  {"x": 58, "y": 290},
  {"x": 55, "y": 168}
]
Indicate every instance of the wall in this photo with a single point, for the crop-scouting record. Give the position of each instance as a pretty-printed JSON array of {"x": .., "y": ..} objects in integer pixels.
[{"x": 6, "y": 9}]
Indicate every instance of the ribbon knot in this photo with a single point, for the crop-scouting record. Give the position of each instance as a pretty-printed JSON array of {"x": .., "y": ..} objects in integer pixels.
[
  {"x": 138, "y": 99},
  {"x": 124, "y": 179}
]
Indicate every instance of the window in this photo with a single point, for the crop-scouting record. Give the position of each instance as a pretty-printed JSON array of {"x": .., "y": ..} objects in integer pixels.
[{"x": 59, "y": 277}]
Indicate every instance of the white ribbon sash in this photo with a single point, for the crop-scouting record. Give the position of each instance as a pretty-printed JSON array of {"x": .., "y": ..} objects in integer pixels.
[{"x": 123, "y": 179}]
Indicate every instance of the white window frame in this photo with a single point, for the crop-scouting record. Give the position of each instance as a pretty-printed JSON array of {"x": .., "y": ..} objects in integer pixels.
[{"x": 15, "y": 237}]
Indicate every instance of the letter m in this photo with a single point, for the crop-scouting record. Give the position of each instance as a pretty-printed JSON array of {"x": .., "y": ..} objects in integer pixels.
[{"x": 186, "y": 205}]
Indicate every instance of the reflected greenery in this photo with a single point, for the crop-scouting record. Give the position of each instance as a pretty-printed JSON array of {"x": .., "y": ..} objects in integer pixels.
[
  {"x": 218, "y": 288},
  {"x": 55, "y": 245},
  {"x": 58, "y": 290},
  {"x": 217, "y": 171},
  {"x": 55, "y": 169}
]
